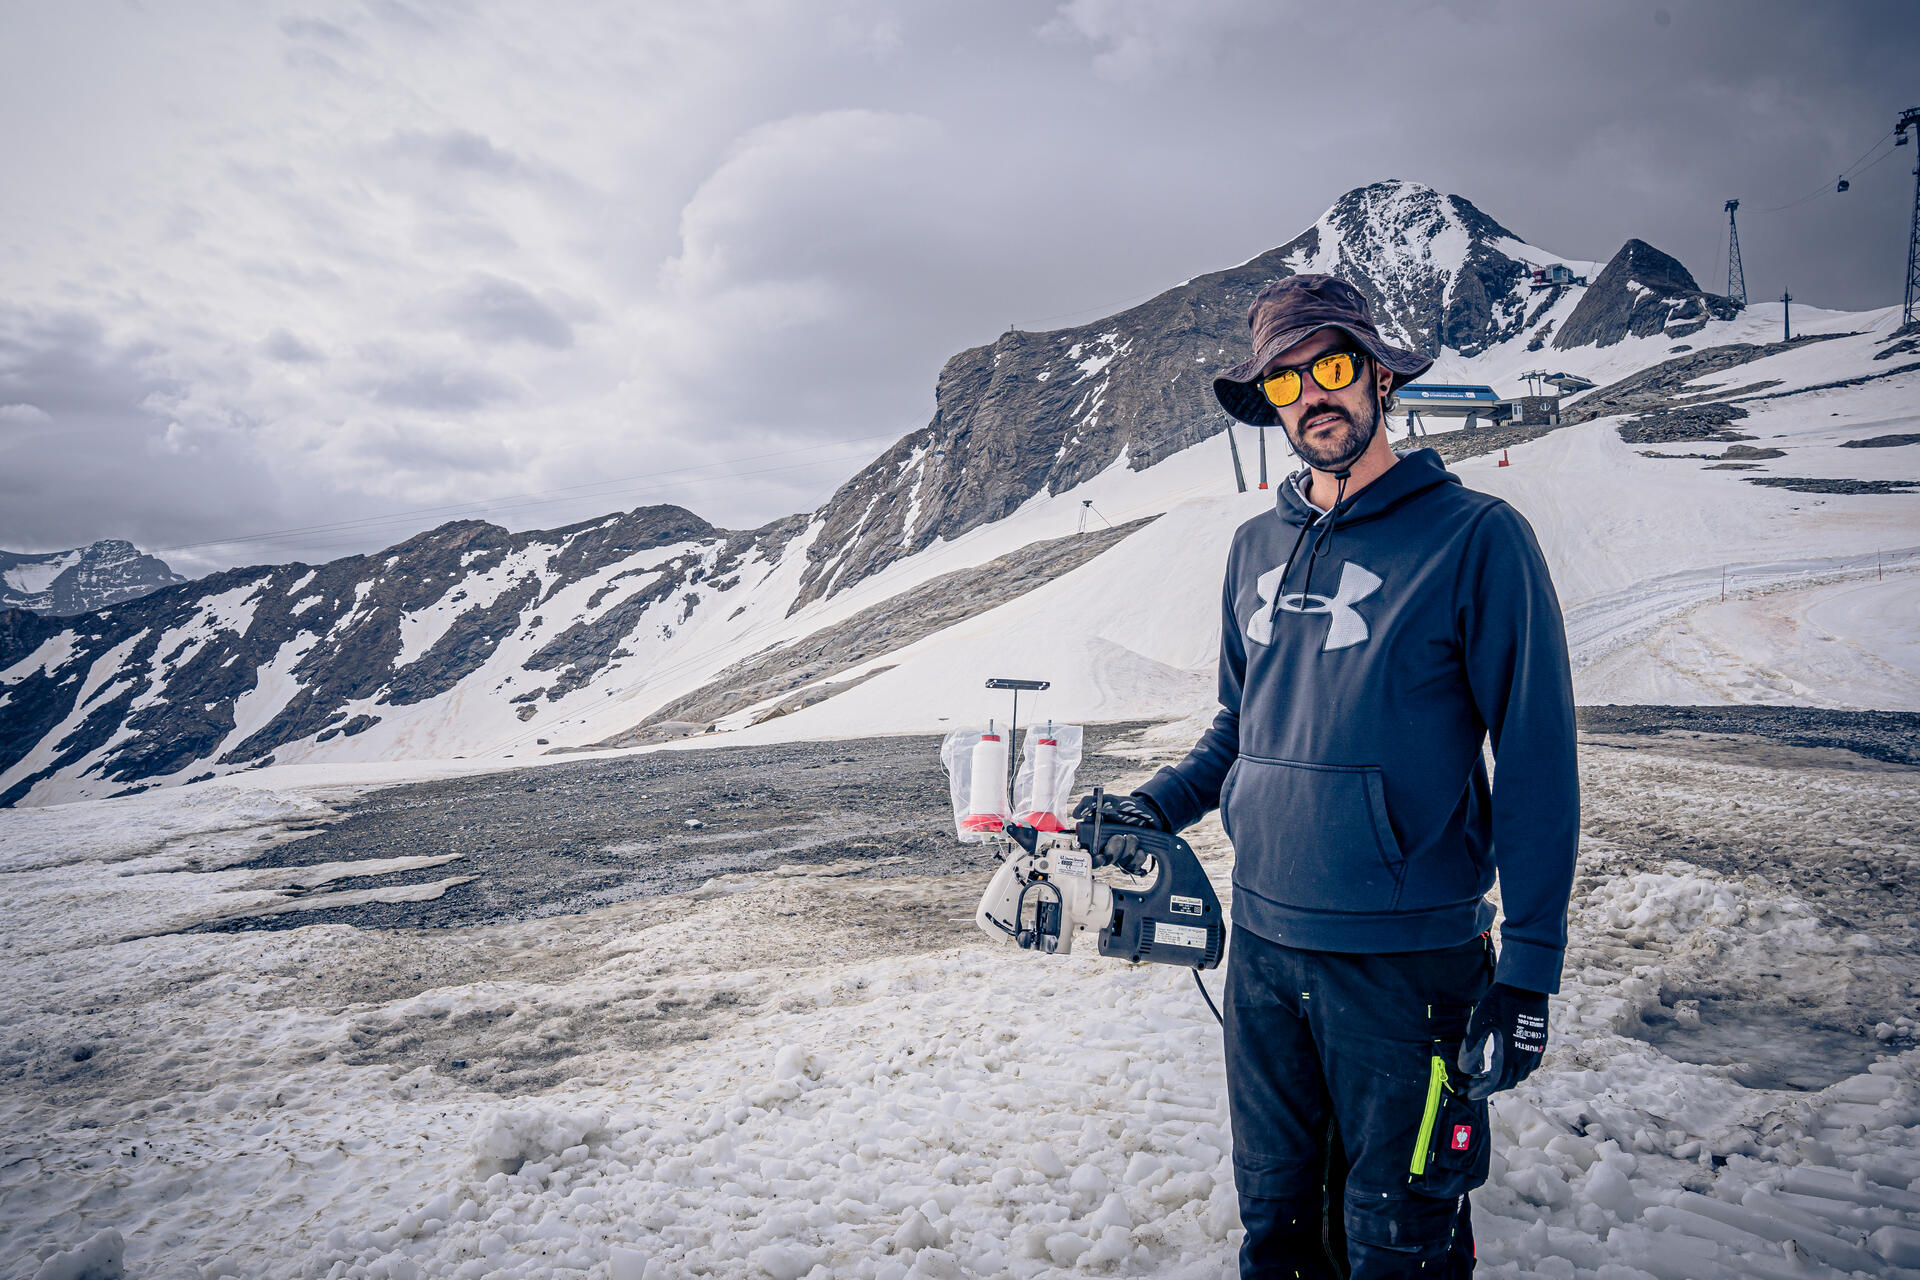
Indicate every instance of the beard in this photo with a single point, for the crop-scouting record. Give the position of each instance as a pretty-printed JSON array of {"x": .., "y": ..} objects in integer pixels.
[{"x": 1338, "y": 447}]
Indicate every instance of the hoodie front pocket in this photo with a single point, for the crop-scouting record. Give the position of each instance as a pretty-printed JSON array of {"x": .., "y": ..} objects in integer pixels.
[{"x": 1314, "y": 835}]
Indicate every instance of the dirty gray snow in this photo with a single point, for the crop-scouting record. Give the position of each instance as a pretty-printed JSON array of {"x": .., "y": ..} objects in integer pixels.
[{"x": 817, "y": 1068}]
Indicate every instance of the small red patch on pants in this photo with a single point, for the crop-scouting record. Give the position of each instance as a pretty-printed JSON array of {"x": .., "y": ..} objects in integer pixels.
[{"x": 1462, "y": 1137}]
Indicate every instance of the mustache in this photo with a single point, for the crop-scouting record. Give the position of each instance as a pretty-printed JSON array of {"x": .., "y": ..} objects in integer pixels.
[{"x": 1326, "y": 408}]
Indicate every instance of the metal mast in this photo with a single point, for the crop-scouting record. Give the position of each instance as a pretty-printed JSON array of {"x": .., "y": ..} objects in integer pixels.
[
  {"x": 1910, "y": 118},
  {"x": 1736, "y": 275}
]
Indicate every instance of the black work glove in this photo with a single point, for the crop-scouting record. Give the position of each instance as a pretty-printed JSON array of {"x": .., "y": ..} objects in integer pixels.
[
  {"x": 1136, "y": 810},
  {"x": 1515, "y": 1023}
]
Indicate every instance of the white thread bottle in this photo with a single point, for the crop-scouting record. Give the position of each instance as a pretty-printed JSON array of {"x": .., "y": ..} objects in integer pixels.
[
  {"x": 987, "y": 787},
  {"x": 1046, "y": 751}
]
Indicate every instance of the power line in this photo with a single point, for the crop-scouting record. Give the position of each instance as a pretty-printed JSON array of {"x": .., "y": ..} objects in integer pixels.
[{"x": 1825, "y": 185}]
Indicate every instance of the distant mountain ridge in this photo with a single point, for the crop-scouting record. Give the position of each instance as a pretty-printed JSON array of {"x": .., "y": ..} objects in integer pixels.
[
  {"x": 224, "y": 672},
  {"x": 64, "y": 583}
]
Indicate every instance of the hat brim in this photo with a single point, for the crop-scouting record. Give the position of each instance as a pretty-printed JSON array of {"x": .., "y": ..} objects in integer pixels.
[{"x": 1238, "y": 389}]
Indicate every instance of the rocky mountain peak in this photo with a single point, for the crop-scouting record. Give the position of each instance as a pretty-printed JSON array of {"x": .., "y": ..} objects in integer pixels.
[
  {"x": 1641, "y": 293},
  {"x": 1437, "y": 270},
  {"x": 1041, "y": 412},
  {"x": 63, "y": 583}
]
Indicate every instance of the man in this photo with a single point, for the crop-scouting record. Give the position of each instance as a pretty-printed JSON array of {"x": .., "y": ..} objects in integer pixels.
[{"x": 1376, "y": 628}]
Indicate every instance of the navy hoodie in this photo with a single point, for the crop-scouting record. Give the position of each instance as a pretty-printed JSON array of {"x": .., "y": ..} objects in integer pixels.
[{"x": 1364, "y": 659}]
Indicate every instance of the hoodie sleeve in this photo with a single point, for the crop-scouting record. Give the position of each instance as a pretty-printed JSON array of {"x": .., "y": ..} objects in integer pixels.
[
  {"x": 1515, "y": 645},
  {"x": 1185, "y": 791}
]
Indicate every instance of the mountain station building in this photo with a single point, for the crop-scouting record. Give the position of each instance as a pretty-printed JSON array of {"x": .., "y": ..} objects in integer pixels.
[{"x": 1477, "y": 403}]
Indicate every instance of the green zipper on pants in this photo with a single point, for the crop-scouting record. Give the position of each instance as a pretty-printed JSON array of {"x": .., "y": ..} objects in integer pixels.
[{"x": 1436, "y": 1082}]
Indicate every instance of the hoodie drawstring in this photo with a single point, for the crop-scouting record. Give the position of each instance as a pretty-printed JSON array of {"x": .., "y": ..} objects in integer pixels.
[
  {"x": 1324, "y": 538},
  {"x": 1319, "y": 548}
]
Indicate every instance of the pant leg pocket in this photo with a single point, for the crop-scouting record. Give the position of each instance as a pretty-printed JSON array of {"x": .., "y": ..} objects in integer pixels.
[{"x": 1453, "y": 1147}]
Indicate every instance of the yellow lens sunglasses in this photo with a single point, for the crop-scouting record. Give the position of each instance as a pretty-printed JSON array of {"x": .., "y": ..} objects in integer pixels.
[{"x": 1334, "y": 370}]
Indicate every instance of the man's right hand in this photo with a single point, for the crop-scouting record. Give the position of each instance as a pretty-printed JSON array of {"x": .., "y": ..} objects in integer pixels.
[{"x": 1135, "y": 810}]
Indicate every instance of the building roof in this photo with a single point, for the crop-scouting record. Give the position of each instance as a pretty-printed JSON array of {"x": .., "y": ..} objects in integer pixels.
[
  {"x": 1443, "y": 393},
  {"x": 1568, "y": 382}
]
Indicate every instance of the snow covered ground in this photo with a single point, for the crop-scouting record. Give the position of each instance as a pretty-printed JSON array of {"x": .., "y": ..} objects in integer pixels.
[{"x": 807, "y": 1072}]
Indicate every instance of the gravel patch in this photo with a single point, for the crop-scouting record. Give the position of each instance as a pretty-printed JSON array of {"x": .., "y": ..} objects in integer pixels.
[
  {"x": 1822, "y": 484},
  {"x": 1889, "y": 736},
  {"x": 570, "y": 838}
]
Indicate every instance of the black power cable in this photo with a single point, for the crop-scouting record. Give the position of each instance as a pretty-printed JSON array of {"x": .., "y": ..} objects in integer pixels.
[{"x": 1208, "y": 998}]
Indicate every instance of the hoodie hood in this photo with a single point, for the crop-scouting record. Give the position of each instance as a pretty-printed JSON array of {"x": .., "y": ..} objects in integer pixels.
[{"x": 1413, "y": 475}]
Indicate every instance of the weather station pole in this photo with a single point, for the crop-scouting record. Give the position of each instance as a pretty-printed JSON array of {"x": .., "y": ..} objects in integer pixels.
[{"x": 1013, "y": 729}]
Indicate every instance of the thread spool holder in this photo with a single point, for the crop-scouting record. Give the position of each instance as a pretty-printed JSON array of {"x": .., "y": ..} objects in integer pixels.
[{"x": 1013, "y": 734}]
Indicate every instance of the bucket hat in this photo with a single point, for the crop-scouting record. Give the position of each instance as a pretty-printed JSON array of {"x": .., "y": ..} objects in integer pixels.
[{"x": 1291, "y": 310}]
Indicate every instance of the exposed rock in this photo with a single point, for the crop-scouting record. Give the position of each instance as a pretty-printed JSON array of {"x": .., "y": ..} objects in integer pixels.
[
  {"x": 1735, "y": 457},
  {"x": 64, "y": 583},
  {"x": 1685, "y": 423},
  {"x": 1882, "y": 442},
  {"x": 818, "y": 693},
  {"x": 1642, "y": 293},
  {"x": 1817, "y": 484}
]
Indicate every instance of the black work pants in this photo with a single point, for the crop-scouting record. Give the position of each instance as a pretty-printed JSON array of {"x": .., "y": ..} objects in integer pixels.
[{"x": 1344, "y": 1064}]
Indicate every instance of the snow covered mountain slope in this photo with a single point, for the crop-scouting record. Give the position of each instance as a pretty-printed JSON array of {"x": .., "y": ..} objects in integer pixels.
[
  {"x": 1638, "y": 537},
  {"x": 472, "y": 642},
  {"x": 451, "y": 638},
  {"x": 62, "y": 583}
]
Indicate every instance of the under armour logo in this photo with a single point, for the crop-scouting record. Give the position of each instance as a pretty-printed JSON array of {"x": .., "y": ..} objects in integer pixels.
[{"x": 1347, "y": 629}]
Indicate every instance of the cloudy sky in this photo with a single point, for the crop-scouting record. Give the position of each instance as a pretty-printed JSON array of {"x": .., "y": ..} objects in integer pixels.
[{"x": 294, "y": 281}]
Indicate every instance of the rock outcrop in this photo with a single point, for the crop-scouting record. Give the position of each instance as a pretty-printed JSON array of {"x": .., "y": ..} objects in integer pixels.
[{"x": 1642, "y": 293}]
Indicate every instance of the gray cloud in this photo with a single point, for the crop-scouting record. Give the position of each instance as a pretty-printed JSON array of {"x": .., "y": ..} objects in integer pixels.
[
  {"x": 88, "y": 450},
  {"x": 285, "y": 347},
  {"x": 318, "y": 31},
  {"x": 436, "y": 387},
  {"x": 457, "y": 150},
  {"x": 622, "y": 239},
  {"x": 491, "y": 309}
]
